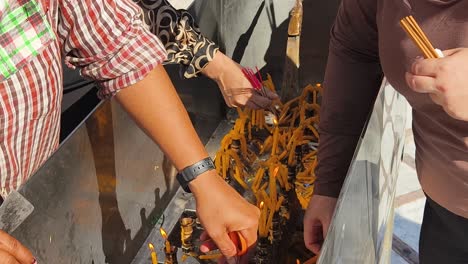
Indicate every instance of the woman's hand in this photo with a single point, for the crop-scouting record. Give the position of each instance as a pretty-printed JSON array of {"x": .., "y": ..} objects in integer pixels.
[
  {"x": 222, "y": 210},
  {"x": 235, "y": 87},
  {"x": 12, "y": 252},
  {"x": 445, "y": 80},
  {"x": 317, "y": 220}
]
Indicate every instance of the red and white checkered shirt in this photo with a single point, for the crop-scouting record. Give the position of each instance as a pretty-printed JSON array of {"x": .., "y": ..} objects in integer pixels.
[{"x": 106, "y": 39}]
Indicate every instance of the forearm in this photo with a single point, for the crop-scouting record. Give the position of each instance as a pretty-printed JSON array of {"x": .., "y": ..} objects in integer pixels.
[
  {"x": 179, "y": 32},
  {"x": 216, "y": 68},
  {"x": 350, "y": 90},
  {"x": 155, "y": 106},
  {"x": 352, "y": 81}
]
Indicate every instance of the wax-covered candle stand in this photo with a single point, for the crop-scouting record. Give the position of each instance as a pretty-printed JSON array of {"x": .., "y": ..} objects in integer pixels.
[{"x": 269, "y": 157}]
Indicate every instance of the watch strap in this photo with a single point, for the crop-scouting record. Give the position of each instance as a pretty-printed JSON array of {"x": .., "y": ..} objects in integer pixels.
[{"x": 190, "y": 173}]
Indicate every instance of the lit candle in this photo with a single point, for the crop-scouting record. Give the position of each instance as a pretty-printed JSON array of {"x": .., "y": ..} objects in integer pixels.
[
  {"x": 261, "y": 220},
  {"x": 167, "y": 243},
  {"x": 275, "y": 137},
  {"x": 273, "y": 195},
  {"x": 154, "y": 257}
]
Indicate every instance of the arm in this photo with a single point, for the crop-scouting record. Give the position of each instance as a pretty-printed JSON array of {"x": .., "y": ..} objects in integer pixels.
[
  {"x": 159, "y": 111},
  {"x": 115, "y": 49},
  {"x": 352, "y": 81},
  {"x": 197, "y": 54},
  {"x": 180, "y": 34}
]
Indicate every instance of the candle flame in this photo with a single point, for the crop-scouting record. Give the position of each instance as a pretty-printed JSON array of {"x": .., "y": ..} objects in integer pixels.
[
  {"x": 275, "y": 171},
  {"x": 163, "y": 233},
  {"x": 298, "y": 261},
  {"x": 262, "y": 204},
  {"x": 151, "y": 247},
  {"x": 275, "y": 121}
]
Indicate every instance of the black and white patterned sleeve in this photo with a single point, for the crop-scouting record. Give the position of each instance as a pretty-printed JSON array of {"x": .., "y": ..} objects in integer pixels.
[{"x": 180, "y": 34}]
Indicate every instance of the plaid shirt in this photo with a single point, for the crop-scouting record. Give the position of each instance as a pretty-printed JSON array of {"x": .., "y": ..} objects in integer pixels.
[{"x": 105, "y": 38}]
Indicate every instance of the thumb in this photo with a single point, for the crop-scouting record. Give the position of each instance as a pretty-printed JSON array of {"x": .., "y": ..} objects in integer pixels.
[
  {"x": 451, "y": 52},
  {"x": 13, "y": 247},
  {"x": 325, "y": 226},
  {"x": 225, "y": 245},
  {"x": 271, "y": 95}
]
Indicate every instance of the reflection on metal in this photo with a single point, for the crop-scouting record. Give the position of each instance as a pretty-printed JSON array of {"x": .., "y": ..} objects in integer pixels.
[
  {"x": 295, "y": 24},
  {"x": 98, "y": 197},
  {"x": 181, "y": 202},
  {"x": 364, "y": 211},
  {"x": 290, "y": 87},
  {"x": 14, "y": 211}
]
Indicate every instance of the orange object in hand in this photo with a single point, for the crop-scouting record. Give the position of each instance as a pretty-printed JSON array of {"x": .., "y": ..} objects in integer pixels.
[
  {"x": 240, "y": 243},
  {"x": 238, "y": 240}
]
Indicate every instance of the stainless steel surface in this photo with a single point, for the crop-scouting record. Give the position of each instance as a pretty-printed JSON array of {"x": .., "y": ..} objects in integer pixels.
[
  {"x": 178, "y": 204},
  {"x": 99, "y": 195},
  {"x": 14, "y": 210},
  {"x": 254, "y": 32}
]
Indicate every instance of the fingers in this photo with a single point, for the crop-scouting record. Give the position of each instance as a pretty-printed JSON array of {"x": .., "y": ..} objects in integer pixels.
[
  {"x": 436, "y": 99},
  {"x": 11, "y": 246},
  {"x": 427, "y": 67},
  {"x": 325, "y": 226},
  {"x": 248, "y": 238},
  {"x": 421, "y": 84},
  {"x": 231, "y": 260},
  {"x": 207, "y": 243},
  {"x": 248, "y": 97},
  {"x": 252, "y": 105},
  {"x": 7, "y": 258},
  {"x": 204, "y": 236},
  {"x": 313, "y": 236},
  {"x": 261, "y": 101},
  {"x": 225, "y": 245},
  {"x": 451, "y": 52},
  {"x": 271, "y": 95}
]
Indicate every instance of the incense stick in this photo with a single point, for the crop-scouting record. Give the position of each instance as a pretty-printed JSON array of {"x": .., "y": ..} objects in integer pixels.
[
  {"x": 422, "y": 35},
  {"x": 415, "y": 32}
]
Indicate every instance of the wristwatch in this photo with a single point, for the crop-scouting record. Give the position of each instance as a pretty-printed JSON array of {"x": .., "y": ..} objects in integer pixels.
[{"x": 190, "y": 173}]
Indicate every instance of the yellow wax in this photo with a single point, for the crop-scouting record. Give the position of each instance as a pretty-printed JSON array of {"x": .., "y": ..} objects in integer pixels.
[
  {"x": 275, "y": 141},
  {"x": 238, "y": 178},
  {"x": 254, "y": 118},
  {"x": 279, "y": 203},
  {"x": 257, "y": 179},
  {"x": 270, "y": 219},
  {"x": 273, "y": 186},
  {"x": 212, "y": 256},
  {"x": 225, "y": 165},
  {"x": 154, "y": 258},
  {"x": 168, "y": 246}
]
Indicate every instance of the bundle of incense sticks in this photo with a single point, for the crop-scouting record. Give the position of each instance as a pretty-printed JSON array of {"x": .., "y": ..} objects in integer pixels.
[
  {"x": 256, "y": 81},
  {"x": 415, "y": 32},
  {"x": 252, "y": 77}
]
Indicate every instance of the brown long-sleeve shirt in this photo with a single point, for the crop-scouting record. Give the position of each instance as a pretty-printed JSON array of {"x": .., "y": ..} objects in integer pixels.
[{"x": 367, "y": 42}]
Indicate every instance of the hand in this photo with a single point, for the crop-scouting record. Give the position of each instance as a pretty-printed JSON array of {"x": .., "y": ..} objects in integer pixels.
[
  {"x": 12, "y": 252},
  {"x": 445, "y": 80},
  {"x": 222, "y": 210},
  {"x": 235, "y": 87},
  {"x": 317, "y": 220}
]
